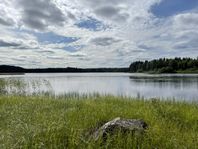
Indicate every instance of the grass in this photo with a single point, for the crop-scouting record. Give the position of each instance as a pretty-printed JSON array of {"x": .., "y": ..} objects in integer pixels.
[
  {"x": 189, "y": 71},
  {"x": 46, "y": 122},
  {"x": 18, "y": 86}
]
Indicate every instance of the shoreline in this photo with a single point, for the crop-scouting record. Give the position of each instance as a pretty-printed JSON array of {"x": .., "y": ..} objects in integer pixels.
[
  {"x": 179, "y": 72},
  {"x": 12, "y": 73}
]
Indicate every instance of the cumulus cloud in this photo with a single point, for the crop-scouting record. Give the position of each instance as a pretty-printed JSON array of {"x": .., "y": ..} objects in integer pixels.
[
  {"x": 186, "y": 20},
  {"x": 104, "y": 41},
  {"x": 8, "y": 44},
  {"x": 113, "y": 13},
  {"x": 92, "y": 33},
  {"x": 6, "y": 22},
  {"x": 39, "y": 14},
  {"x": 7, "y": 13}
]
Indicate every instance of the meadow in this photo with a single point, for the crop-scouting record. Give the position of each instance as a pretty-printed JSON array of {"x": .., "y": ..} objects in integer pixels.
[{"x": 46, "y": 121}]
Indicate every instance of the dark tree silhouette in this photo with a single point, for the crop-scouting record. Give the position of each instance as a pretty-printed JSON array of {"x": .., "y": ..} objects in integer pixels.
[{"x": 165, "y": 65}]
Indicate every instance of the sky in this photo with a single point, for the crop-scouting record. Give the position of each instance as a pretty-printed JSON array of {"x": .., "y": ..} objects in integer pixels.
[{"x": 96, "y": 33}]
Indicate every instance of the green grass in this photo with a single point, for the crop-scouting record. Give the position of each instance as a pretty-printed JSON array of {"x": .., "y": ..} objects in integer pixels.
[
  {"x": 189, "y": 71},
  {"x": 46, "y": 122}
]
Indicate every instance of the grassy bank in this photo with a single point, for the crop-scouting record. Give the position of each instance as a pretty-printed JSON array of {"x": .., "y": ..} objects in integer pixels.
[
  {"x": 45, "y": 122},
  {"x": 188, "y": 71}
]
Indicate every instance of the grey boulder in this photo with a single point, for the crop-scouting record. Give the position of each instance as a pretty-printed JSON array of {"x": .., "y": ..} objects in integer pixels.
[{"x": 118, "y": 124}]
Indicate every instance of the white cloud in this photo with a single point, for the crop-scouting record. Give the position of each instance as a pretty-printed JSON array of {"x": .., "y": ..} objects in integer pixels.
[
  {"x": 186, "y": 20},
  {"x": 132, "y": 33}
]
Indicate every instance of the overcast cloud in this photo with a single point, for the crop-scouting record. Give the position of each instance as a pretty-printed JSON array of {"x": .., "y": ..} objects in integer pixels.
[{"x": 95, "y": 33}]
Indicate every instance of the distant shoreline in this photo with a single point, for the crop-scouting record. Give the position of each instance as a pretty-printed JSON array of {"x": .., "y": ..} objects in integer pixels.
[
  {"x": 12, "y": 73},
  {"x": 151, "y": 73},
  {"x": 157, "y": 66},
  {"x": 6, "y": 69}
]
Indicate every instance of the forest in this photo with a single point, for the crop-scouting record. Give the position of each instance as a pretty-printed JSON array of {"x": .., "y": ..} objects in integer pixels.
[
  {"x": 166, "y": 65},
  {"x": 15, "y": 69},
  {"x": 162, "y": 65}
]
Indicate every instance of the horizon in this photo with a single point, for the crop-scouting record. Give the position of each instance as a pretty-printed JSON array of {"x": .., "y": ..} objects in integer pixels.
[
  {"x": 84, "y": 68},
  {"x": 65, "y": 67},
  {"x": 81, "y": 34}
]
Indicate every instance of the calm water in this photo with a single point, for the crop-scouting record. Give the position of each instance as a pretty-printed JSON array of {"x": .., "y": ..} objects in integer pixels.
[{"x": 178, "y": 86}]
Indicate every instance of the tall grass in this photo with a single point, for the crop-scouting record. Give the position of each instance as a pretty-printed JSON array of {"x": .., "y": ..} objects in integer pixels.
[
  {"x": 20, "y": 86},
  {"x": 64, "y": 122}
]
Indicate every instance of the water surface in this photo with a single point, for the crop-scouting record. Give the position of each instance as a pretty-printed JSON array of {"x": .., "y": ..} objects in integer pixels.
[{"x": 178, "y": 86}]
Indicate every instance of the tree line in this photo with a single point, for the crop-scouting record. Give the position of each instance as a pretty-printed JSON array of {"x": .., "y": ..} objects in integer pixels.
[
  {"x": 165, "y": 65},
  {"x": 15, "y": 69},
  {"x": 162, "y": 65}
]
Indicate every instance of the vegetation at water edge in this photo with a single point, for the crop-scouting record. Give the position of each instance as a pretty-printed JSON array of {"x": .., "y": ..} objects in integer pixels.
[
  {"x": 45, "y": 121},
  {"x": 165, "y": 65}
]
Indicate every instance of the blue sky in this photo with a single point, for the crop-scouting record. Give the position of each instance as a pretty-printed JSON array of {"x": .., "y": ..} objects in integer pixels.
[
  {"x": 52, "y": 38},
  {"x": 168, "y": 8},
  {"x": 92, "y": 33},
  {"x": 91, "y": 24}
]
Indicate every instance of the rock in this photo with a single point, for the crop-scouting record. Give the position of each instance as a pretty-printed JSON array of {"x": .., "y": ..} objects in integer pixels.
[{"x": 118, "y": 124}]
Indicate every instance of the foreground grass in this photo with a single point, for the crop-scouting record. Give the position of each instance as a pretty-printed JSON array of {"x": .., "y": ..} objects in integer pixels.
[{"x": 45, "y": 122}]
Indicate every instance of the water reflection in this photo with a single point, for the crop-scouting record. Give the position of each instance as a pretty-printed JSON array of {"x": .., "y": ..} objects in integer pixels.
[
  {"x": 168, "y": 86},
  {"x": 178, "y": 82},
  {"x": 135, "y": 85}
]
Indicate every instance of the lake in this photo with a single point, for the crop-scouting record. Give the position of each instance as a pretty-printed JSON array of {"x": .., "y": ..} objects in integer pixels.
[{"x": 177, "y": 86}]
